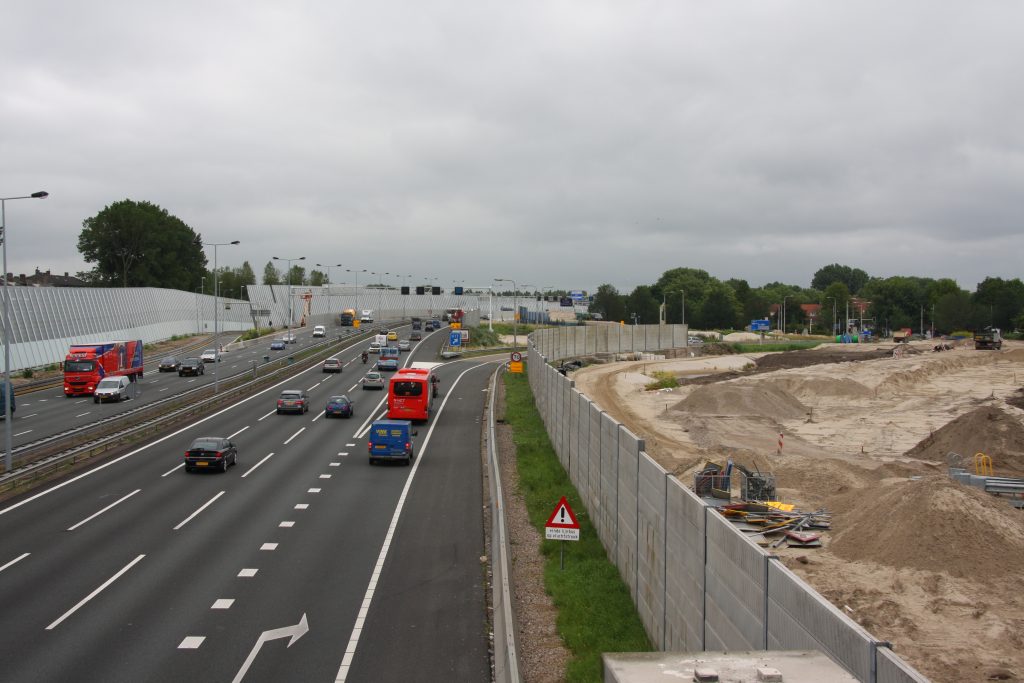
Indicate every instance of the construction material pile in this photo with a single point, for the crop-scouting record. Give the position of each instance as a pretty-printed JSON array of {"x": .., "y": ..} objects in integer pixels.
[{"x": 773, "y": 524}]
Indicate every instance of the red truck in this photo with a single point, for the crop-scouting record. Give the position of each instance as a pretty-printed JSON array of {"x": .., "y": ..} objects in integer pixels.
[{"x": 86, "y": 364}]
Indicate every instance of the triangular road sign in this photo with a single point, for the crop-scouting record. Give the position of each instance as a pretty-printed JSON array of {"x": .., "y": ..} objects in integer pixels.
[{"x": 562, "y": 517}]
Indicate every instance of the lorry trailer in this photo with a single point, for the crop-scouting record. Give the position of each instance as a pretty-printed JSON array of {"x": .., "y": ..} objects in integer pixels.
[{"x": 86, "y": 364}]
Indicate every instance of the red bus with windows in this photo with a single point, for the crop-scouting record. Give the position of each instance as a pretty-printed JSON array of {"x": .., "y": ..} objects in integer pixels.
[{"x": 411, "y": 393}]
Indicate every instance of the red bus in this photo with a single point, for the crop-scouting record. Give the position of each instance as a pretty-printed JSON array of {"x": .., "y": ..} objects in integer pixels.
[{"x": 411, "y": 393}]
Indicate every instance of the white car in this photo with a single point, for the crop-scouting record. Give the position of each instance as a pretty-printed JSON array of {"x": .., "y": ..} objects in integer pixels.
[
  {"x": 288, "y": 337},
  {"x": 374, "y": 347},
  {"x": 111, "y": 389},
  {"x": 403, "y": 345},
  {"x": 319, "y": 331},
  {"x": 694, "y": 341},
  {"x": 373, "y": 380},
  {"x": 209, "y": 356}
]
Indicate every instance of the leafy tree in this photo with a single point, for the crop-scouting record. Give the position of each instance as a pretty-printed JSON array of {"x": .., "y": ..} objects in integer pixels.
[
  {"x": 998, "y": 302},
  {"x": 720, "y": 308},
  {"x": 641, "y": 301},
  {"x": 609, "y": 303},
  {"x": 139, "y": 244},
  {"x": 270, "y": 274},
  {"x": 954, "y": 311},
  {"x": 296, "y": 276},
  {"x": 246, "y": 276},
  {"x": 833, "y": 306},
  {"x": 853, "y": 278},
  {"x": 316, "y": 278}
]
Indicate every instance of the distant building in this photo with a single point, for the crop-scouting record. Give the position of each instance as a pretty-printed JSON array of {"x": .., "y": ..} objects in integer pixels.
[{"x": 47, "y": 279}]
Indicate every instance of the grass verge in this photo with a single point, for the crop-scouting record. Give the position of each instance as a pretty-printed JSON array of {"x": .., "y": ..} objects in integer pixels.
[
  {"x": 595, "y": 611},
  {"x": 754, "y": 347}
]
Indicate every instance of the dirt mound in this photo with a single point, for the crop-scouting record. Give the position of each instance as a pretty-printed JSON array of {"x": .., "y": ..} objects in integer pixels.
[
  {"x": 811, "y": 388},
  {"x": 986, "y": 430},
  {"x": 932, "y": 524},
  {"x": 761, "y": 399}
]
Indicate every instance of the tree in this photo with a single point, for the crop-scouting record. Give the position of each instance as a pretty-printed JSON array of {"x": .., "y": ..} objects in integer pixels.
[
  {"x": 641, "y": 302},
  {"x": 609, "y": 303},
  {"x": 833, "y": 305},
  {"x": 139, "y": 244},
  {"x": 270, "y": 274},
  {"x": 853, "y": 278},
  {"x": 954, "y": 311},
  {"x": 316, "y": 278},
  {"x": 296, "y": 276},
  {"x": 998, "y": 302},
  {"x": 720, "y": 308}
]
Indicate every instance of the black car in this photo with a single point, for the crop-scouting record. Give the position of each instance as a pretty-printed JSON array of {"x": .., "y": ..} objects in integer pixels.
[
  {"x": 191, "y": 366},
  {"x": 338, "y": 406},
  {"x": 169, "y": 364},
  {"x": 211, "y": 453}
]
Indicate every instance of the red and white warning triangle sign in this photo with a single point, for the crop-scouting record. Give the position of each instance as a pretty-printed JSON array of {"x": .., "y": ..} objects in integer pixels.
[{"x": 562, "y": 524}]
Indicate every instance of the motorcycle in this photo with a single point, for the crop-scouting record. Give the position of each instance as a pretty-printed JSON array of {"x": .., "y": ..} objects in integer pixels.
[{"x": 365, "y": 357}]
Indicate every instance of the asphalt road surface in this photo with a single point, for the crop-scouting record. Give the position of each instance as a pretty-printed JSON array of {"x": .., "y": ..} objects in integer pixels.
[{"x": 302, "y": 563}]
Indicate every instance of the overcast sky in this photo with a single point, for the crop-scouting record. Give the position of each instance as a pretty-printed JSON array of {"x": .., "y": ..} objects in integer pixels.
[{"x": 563, "y": 144}]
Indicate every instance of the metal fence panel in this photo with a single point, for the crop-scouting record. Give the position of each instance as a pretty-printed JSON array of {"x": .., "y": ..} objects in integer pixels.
[
  {"x": 890, "y": 668},
  {"x": 629, "y": 462},
  {"x": 650, "y": 594},
  {"x": 684, "y": 575},
  {"x": 735, "y": 575},
  {"x": 800, "y": 619}
]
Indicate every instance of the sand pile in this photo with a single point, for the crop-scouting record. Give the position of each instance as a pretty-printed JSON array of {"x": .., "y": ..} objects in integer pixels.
[
  {"x": 933, "y": 524},
  {"x": 813, "y": 388},
  {"x": 762, "y": 399},
  {"x": 741, "y": 337},
  {"x": 987, "y": 430}
]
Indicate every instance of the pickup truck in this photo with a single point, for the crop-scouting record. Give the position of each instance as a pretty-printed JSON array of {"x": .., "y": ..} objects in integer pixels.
[
  {"x": 391, "y": 440},
  {"x": 989, "y": 338}
]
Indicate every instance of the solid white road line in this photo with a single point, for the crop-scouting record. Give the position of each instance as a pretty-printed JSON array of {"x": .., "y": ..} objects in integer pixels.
[
  {"x": 174, "y": 469},
  {"x": 82, "y": 415},
  {"x": 15, "y": 560},
  {"x": 318, "y": 416},
  {"x": 201, "y": 508},
  {"x": 96, "y": 592},
  {"x": 97, "y": 514},
  {"x": 293, "y": 436},
  {"x": 23, "y": 433},
  {"x": 249, "y": 471}
]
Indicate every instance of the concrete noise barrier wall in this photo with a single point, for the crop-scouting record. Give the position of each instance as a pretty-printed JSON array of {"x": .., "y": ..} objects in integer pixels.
[{"x": 698, "y": 583}]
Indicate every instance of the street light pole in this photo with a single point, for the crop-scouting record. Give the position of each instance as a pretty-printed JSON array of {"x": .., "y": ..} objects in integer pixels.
[
  {"x": 328, "y": 267},
  {"x": 515, "y": 311},
  {"x": 8, "y": 389},
  {"x": 788, "y": 296},
  {"x": 289, "y": 261},
  {"x": 216, "y": 316},
  {"x": 356, "y": 273}
]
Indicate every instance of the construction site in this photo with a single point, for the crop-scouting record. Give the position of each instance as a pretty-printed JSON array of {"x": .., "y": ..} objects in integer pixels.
[{"x": 896, "y": 473}]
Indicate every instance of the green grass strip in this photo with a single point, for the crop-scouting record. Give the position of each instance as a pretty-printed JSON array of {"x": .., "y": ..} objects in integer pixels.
[{"x": 595, "y": 611}]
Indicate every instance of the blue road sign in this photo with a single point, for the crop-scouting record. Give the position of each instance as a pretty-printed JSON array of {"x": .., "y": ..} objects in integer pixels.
[
  {"x": 455, "y": 338},
  {"x": 760, "y": 325}
]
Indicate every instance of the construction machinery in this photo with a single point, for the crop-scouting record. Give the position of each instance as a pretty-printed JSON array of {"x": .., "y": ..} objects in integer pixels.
[{"x": 988, "y": 338}]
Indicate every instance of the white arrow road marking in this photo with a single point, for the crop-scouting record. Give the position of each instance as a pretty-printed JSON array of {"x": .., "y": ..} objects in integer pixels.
[
  {"x": 293, "y": 632},
  {"x": 96, "y": 592},
  {"x": 97, "y": 514}
]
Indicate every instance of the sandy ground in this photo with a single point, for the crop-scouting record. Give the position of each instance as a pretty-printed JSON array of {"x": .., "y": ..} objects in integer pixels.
[{"x": 927, "y": 564}]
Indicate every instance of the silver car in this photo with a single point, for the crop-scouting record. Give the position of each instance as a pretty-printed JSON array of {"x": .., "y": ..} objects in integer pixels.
[
  {"x": 373, "y": 380},
  {"x": 403, "y": 345}
]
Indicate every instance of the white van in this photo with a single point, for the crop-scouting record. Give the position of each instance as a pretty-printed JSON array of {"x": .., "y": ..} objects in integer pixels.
[
  {"x": 111, "y": 389},
  {"x": 367, "y": 316},
  {"x": 319, "y": 331}
]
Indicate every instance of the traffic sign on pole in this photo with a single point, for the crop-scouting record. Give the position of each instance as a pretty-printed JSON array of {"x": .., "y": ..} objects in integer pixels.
[
  {"x": 455, "y": 338},
  {"x": 562, "y": 524}
]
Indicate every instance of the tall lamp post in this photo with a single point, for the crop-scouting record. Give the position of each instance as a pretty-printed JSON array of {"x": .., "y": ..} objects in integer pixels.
[
  {"x": 356, "y": 273},
  {"x": 8, "y": 389},
  {"x": 515, "y": 311},
  {"x": 289, "y": 261},
  {"x": 788, "y": 296},
  {"x": 328, "y": 267},
  {"x": 216, "y": 304},
  {"x": 202, "y": 288}
]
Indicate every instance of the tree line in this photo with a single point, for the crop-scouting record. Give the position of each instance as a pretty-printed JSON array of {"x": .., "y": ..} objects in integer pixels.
[{"x": 844, "y": 294}]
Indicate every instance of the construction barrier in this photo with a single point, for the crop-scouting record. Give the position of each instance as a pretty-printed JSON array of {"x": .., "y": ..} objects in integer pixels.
[{"x": 698, "y": 583}]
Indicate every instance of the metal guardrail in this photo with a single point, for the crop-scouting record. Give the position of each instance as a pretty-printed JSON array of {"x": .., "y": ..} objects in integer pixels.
[
  {"x": 46, "y": 456},
  {"x": 506, "y": 651}
]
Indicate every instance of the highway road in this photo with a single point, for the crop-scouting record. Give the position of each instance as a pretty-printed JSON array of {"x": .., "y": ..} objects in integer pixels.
[
  {"x": 302, "y": 563},
  {"x": 44, "y": 413}
]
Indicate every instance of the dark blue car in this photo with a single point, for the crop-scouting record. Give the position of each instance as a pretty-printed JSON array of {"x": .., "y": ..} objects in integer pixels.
[
  {"x": 277, "y": 345},
  {"x": 338, "y": 406}
]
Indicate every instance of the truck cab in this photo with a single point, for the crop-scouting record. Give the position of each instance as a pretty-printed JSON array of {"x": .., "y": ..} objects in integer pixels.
[{"x": 391, "y": 440}]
